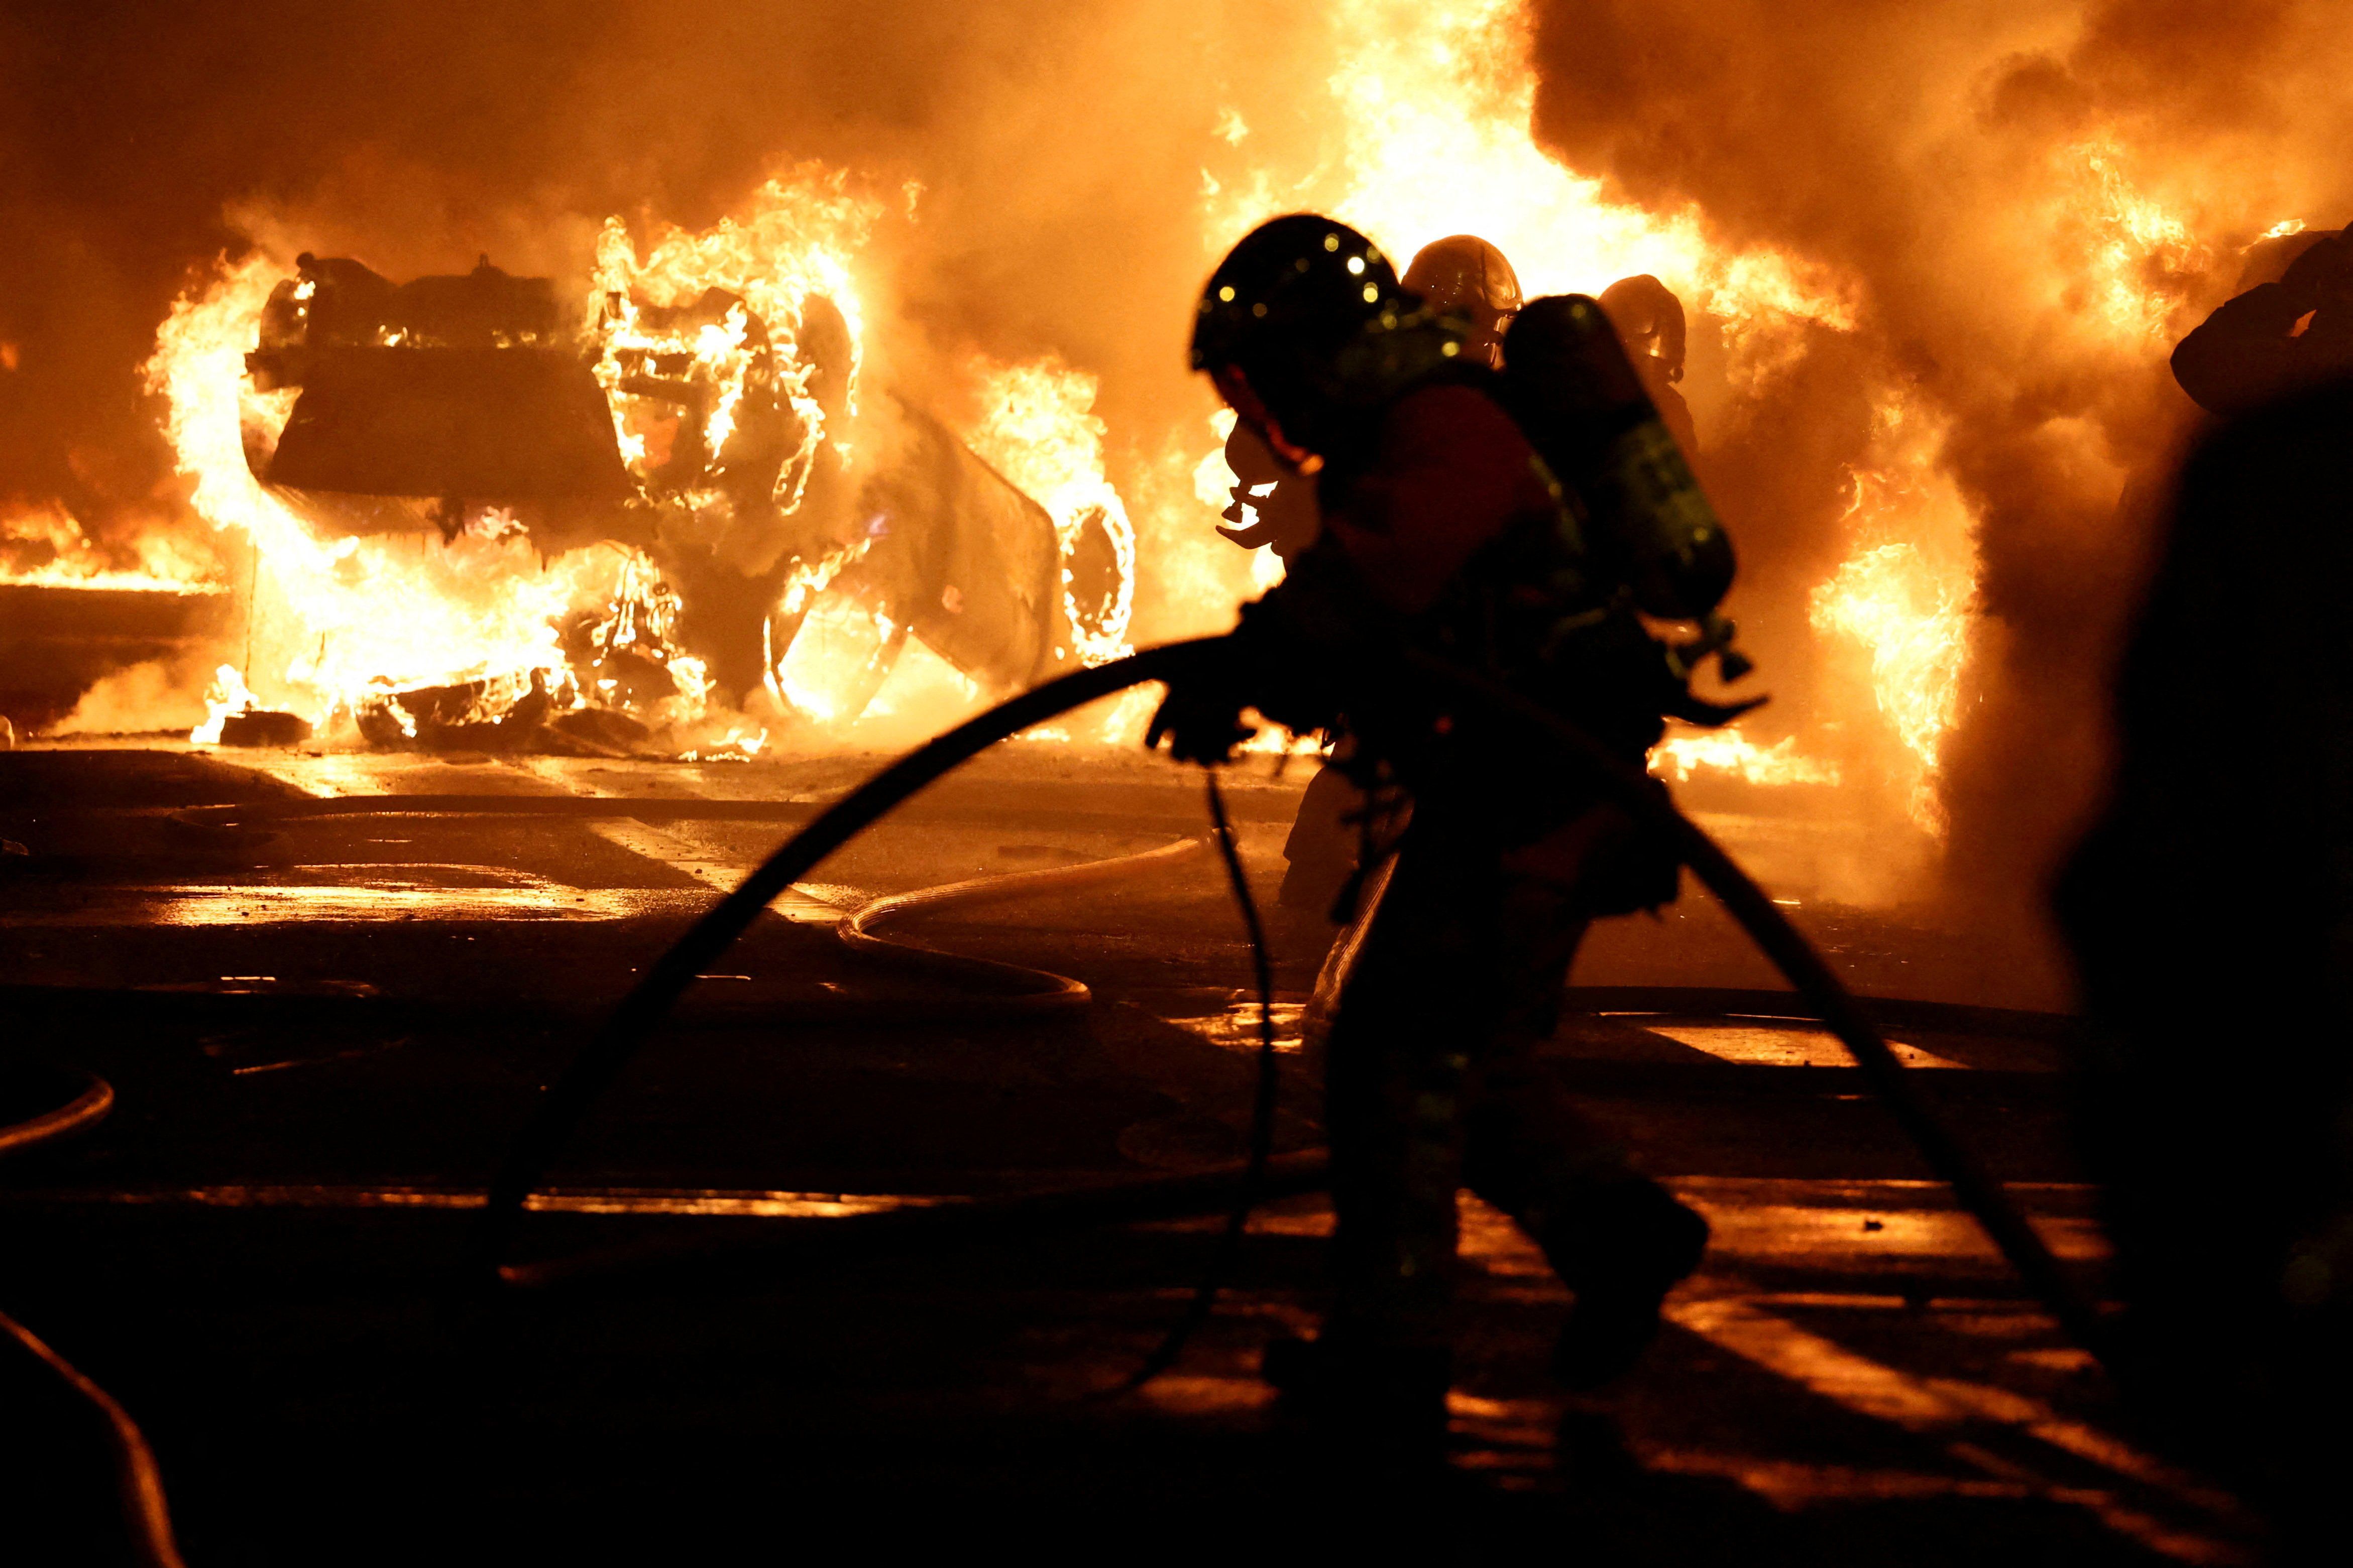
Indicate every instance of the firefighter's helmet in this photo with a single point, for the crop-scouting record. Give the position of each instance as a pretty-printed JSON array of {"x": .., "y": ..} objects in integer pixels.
[
  {"x": 1310, "y": 315},
  {"x": 1298, "y": 284},
  {"x": 1650, "y": 323},
  {"x": 1465, "y": 276}
]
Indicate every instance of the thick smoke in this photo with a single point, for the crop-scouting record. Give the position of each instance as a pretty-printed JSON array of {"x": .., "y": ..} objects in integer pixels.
[{"x": 1962, "y": 169}]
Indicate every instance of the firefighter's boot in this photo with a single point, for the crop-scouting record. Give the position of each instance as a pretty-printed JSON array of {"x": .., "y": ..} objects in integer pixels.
[{"x": 1621, "y": 1250}]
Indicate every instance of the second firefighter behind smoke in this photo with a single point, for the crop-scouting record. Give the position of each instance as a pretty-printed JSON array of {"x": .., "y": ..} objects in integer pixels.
[
  {"x": 1472, "y": 285},
  {"x": 1470, "y": 518}
]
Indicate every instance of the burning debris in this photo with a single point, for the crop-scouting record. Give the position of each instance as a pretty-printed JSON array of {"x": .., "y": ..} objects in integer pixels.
[
  {"x": 481, "y": 521},
  {"x": 453, "y": 392}
]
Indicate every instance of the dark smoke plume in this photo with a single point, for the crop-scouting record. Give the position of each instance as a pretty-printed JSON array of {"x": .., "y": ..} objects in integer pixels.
[{"x": 1936, "y": 158}]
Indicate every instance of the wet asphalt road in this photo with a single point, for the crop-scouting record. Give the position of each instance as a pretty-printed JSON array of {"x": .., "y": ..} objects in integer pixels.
[{"x": 323, "y": 1030}]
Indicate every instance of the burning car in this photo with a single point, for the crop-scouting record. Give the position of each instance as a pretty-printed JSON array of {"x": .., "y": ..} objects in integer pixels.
[{"x": 698, "y": 448}]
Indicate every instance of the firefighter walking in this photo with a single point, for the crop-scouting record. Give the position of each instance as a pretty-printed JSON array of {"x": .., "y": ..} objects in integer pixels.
[{"x": 1446, "y": 533}]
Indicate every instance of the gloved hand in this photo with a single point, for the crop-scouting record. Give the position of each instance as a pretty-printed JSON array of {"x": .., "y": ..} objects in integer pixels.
[
  {"x": 1280, "y": 660},
  {"x": 1201, "y": 719}
]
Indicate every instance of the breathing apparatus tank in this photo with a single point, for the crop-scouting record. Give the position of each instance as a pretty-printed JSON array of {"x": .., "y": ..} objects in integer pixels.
[{"x": 1582, "y": 405}]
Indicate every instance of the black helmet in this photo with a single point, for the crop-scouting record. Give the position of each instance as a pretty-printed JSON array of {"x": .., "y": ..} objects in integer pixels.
[
  {"x": 1299, "y": 284},
  {"x": 1312, "y": 315}
]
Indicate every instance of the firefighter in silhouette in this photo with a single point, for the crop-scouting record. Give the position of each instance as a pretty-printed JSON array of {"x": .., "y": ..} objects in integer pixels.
[
  {"x": 1472, "y": 282},
  {"x": 1443, "y": 534},
  {"x": 1650, "y": 323},
  {"x": 2210, "y": 914},
  {"x": 1462, "y": 276},
  {"x": 2276, "y": 339}
]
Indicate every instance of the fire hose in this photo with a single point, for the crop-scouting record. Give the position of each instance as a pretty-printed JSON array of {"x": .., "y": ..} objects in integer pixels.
[
  {"x": 632, "y": 1023},
  {"x": 1046, "y": 991},
  {"x": 148, "y": 1517},
  {"x": 91, "y": 1102},
  {"x": 641, "y": 1012},
  {"x": 140, "y": 1479}
]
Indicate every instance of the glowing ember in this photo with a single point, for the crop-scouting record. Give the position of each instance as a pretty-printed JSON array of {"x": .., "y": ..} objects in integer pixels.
[{"x": 735, "y": 746}]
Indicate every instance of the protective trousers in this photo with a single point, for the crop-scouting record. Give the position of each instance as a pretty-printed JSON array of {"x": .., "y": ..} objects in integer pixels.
[{"x": 1432, "y": 1083}]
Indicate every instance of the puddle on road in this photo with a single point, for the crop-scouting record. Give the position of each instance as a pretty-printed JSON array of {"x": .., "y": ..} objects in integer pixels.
[
  {"x": 1767, "y": 1045},
  {"x": 562, "y": 1200},
  {"x": 1236, "y": 1028},
  {"x": 1746, "y": 1222},
  {"x": 361, "y": 892},
  {"x": 1794, "y": 1233}
]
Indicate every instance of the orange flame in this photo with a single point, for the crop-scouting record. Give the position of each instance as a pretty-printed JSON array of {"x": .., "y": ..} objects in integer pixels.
[
  {"x": 1679, "y": 758},
  {"x": 799, "y": 239},
  {"x": 1905, "y": 596},
  {"x": 1912, "y": 620},
  {"x": 2144, "y": 264},
  {"x": 346, "y": 617},
  {"x": 226, "y": 695},
  {"x": 44, "y": 547},
  {"x": 342, "y": 621},
  {"x": 1038, "y": 429},
  {"x": 1433, "y": 102}
]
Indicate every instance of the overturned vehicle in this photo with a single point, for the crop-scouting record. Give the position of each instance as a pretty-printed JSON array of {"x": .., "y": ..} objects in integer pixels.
[{"x": 713, "y": 445}]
